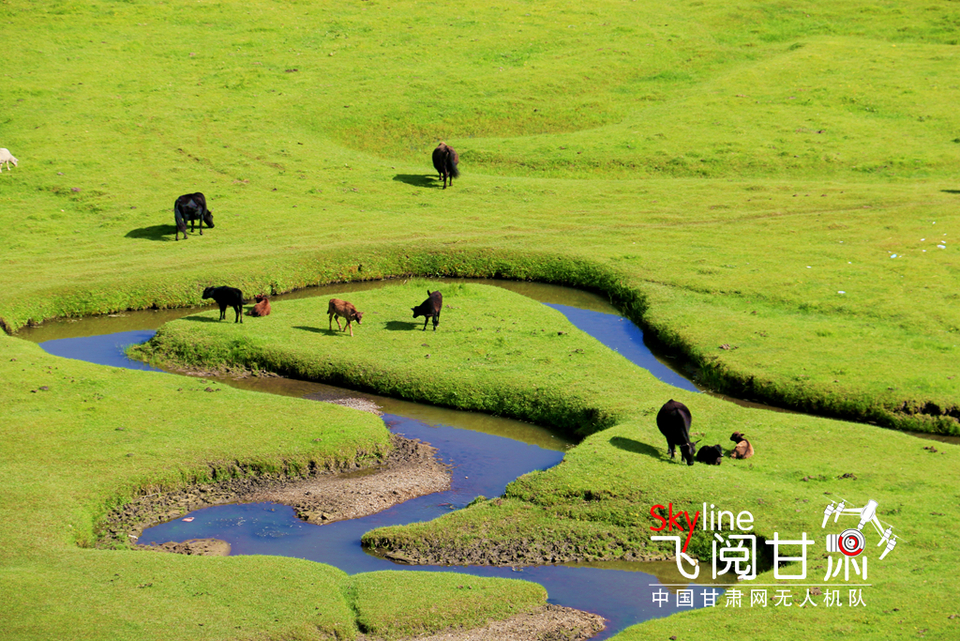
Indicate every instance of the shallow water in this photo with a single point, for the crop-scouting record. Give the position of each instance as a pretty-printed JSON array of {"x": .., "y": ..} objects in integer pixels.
[{"x": 483, "y": 464}]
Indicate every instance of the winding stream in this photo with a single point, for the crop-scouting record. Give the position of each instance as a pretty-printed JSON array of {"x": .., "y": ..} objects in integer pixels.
[{"x": 486, "y": 453}]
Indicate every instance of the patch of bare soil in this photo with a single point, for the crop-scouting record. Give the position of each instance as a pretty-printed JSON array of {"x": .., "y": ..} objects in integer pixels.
[
  {"x": 409, "y": 470},
  {"x": 201, "y": 547},
  {"x": 547, "y": 623}
]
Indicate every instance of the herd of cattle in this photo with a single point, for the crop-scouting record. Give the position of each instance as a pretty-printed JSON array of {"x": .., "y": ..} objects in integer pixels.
[
  {"x": 225, "y": 297},
  {"x": 674, "y": 420}
]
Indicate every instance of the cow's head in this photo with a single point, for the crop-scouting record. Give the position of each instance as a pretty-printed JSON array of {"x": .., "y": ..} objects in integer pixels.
[
  {"x": 359, "y": 316},
  {"x": 208, "y": 218},
  {"x": 688, "y": 451}
]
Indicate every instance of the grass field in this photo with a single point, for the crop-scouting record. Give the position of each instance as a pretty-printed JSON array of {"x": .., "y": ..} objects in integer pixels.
[{"x": 778, "y": 179}]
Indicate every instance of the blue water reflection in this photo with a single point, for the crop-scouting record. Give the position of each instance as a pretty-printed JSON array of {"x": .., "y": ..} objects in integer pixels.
[
  {"x": 482, "y": 464},
  {"x": 106, "y": 349},
  {"x": 625, "y": 338}
]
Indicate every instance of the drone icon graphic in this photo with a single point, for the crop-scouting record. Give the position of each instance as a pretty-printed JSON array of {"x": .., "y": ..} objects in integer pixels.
[{"x": 851, "y": 541}]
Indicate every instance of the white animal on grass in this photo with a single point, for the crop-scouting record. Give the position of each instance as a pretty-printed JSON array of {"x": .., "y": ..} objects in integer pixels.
[{"x": 6, "y": 158}]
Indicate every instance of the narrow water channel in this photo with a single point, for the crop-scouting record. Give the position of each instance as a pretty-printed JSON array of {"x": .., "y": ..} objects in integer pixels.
[{"x": 485, "y": 453}]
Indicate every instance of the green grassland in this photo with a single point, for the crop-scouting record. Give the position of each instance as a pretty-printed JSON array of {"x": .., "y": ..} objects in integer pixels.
[
  {"x": 722, "y": 172},
  {"x": 534, "y": 363},
  {"x": 80, "y": 440}
]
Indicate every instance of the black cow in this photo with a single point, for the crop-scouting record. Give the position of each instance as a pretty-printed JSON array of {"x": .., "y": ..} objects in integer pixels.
[
  {"x": 226, "y": 297},
  {"x": 430, "y": 308},
  {"x": 710, "y": 454},
  {"x": 445, "y": 161},
  {"x": 191, "y": 208},
  {"x": 673, "y": 421}
]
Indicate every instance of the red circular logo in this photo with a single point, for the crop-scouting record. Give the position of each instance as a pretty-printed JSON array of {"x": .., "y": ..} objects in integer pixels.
[{"x": 852, "y": 542}]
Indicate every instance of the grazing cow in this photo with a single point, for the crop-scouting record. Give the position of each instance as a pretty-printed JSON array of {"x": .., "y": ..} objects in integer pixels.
[
  {"x": 743, "y": 448},
  {"x": 430, "y": 308},
  {"x": 710, "y": 454},
  {"x": 262, "y": 308},
  {"x": 673, "y": 421},
  {"x": 190, "y": 208},
  {"x": 445, "y": 161},
  {"x": 341, "y": 308},
  {"x": 6, "y": 158},
  {"x": 226, "y": 297}
]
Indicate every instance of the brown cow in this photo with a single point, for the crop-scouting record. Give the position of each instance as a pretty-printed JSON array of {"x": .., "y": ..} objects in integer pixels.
[
  {"x": 262, "y": 308},
  {"x": 743, "y": 448},
  {"x": 338, "y": 308}
]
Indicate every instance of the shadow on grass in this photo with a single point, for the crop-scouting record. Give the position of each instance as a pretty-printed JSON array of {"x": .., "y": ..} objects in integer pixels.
[
  {"x": 401, "y": 326},
  {"x": 417, "y": 180},
  {"x": 951, "y": 191},
  {"x": 156, "y": 232},
  {"x": 200, "y": 319},
  {"x": 630, "y": 445},
  {"x": 315, "y": 330}
]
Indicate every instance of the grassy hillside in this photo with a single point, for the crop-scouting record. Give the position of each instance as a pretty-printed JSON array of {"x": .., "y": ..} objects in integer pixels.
[
  {"x": 776, "y": 179},
  {"x": 797, "y": 162}
]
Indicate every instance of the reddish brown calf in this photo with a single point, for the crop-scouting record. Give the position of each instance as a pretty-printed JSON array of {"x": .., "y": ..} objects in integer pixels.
[
  {"x": 341, "y": 308},
  {"x": 262, "y": 308}
]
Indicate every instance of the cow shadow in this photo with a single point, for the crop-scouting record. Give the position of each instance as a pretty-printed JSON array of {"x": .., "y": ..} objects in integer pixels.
[
  {"x": 951, "y": 191},
  {"x": 401, "y": 326},
  {"x": 417, "y": 180},
  {"x": 201, "y": 319},
  {"x": 154, "y": 232},
  {"x": 315, "y": 330},
  {"x": 635, "y": 447}
]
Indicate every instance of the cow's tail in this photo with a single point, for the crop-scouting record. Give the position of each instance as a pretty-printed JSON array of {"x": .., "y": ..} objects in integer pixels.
[
  {"x": 452, "y": 168},
  {"x": 178, "y": 219}
]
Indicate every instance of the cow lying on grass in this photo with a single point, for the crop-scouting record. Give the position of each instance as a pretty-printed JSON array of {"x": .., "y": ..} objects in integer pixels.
[
  {"x": 710, "y": 454},
  {"x": 673, "y": 421},
  {"x": 226, "y": 297},
  {"x": 743, "y": 448},
  {"x": 342, "y": 309},
  {"x": 262, "y": 308},
  {"x": 430, "y": 308}
]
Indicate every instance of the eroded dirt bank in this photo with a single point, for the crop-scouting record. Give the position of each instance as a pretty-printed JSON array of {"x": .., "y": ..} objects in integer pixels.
[
  {"x": 410, "y": 470},
  {"x": 546, "y": 623}
]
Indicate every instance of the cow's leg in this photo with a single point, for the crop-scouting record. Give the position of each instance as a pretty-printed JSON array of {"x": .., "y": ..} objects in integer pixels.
[
  {"x": 671, "y": 451},
  {"x": 223, "y": 310},
  {"x": 426, "y": 319},
  {"x": 238, "y": 309},
  {"x": 350, "y": 328}
]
